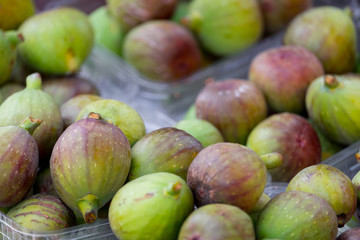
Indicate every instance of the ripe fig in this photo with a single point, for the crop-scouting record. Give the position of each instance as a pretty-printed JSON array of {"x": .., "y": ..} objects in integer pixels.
[
  {"x": 164, "y": 150},
  {"x": 19, "y": 161},
  {"x": 328, "y": 32},
  {"x": 220, "y": 35},
  {"x": 88, "y": 165},
  {"x": 217, "y": 221},
  {"x": 330, "y": 184},
  {"x": 350, "y": 234},
  {"x": 233, "y": 106},
  {"x": 153, "y": 206},
  {"x": 283, "y": 74},
  {"x": 32, "y": 101},
  {"x": 120, "y": 114},
  {"x": 255, "y": 212},
  {"x": 297, "y": 215},
  {"x": 290, "y": 135},
  {"x": 8, "y": 89},
  {"x": 56, "y": 41},
  {"x": 14, "y": 12},
  {"x": 162, "y": 50},
  {"x": 339, "y": 118},
  {"x": 43, "y": 183},
  {"x": 42, "y": 213}
]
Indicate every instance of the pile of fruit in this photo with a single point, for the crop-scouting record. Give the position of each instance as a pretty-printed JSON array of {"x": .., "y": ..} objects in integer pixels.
[{"x": 70, "y": 157}]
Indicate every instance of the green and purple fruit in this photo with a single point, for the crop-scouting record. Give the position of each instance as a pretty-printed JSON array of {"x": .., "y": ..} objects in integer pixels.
[
  {"x": 88, "y": 165},
  {"x": 153, "y": 206},
  {"x": 297, "y": 215},
  {"x": 329, "y": 32},
  {"x": 332, "y": 185},
  {"x": 233, "y": 106},
  {"x": 164, "y": 150},
  {"x": 217, "y": 221},
  {"x": 14, "y": 12},
  {"x": 290, "y": 135},
  {"x": 162, "y": 50},
  {"x": 350, "y": 234},
  {"x": 43, "y": 183},
  {"x": 19, "y": 161}
]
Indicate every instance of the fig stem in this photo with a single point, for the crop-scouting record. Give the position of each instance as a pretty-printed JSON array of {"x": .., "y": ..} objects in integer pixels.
[
  {"x": 173, "y": 190},
  {"x": 33, "y": 81},
  {"x": 30, "y": 124},
  {"x": 192, "y": 21},
  {"x": 88, "y": 206},
  {"x": 272, "y": 160},
  {"x": 13, "y": 38},
  {"x": 331, "y": 81},
  {"x": 357, "y": 155},
  {"x": 94, "y": 115}
]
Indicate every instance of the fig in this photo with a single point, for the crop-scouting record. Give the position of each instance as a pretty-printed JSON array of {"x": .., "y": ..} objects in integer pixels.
[
  {"x": 227, "y": 173},
  {"x": 181, "y": 10},
  {"x": 297, "y": 215},
  {"x": 225, "y": 27},
  {"x": 56, "y": 41},
  {"x": 43, "y": 183},
  {"x": 88, "y": 165},
  {"x": 190, "y": 113},
  {"x": 42, "y": 213},
  {"x": 350, "y": 234},
  {"x": 32, "y": 101},
  {"x": 9, "y": 88},
  {"x": 164, "y": 150},
  {"x": 71, "y": 108},
  {"x": 217, "y": 221},
  {"x": 356, "y": 181},
  {"x": 130, "y": 13},
  {"x": 333, "y": 104},
  {"x": 202, "y": 130},
  {"x": 330, "y": 184},
  {"x": 233, "y": 106},
  {"x": 278, "y": 14},
  {"x": 19, "y": 163},
  {"x": 329, "y": 32},
  {"x": 162, "y": 50},
  {"x": 283, "y": 74},
  {"x": 120, "y": 114},
  {"x": 13, "y": 13},
  {"x": 108, "y": 32},
  {"x": 255, "y": 212},
  {"x": 153, "y": 206},
  {"x": 64, "y": 88},
  {"x": 290, "y": 135}
]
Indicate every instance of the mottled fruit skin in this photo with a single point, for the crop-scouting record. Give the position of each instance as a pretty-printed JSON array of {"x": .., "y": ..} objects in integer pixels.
[
  {"x": 278, "y": 13},
  {"x": 19, "y": 161},
  {"x": 162, "y": 50},
  {"x": 153, "y": 206},
  {"x": 92, "y": 156},
  {"x": 283, "y": 74},
  {"x": 13, "y": 13},
  {"x": 164, "y": 150},
  {"x": 42, "y": 212},
  {"x": 334, "y": 107},
  {"x": 57, "y": 41},
  {"x": 329, "y": 33},
  {"x": 217, "y": 221},
  {"x": 350, "y": 234},
  {"x": 227, "y": 173},
  {"x": 330, "y": 184},
  {"x": 43, "y": 183},
  {"x": 233, "y": 106},
  {"x": 290, "y": 135},
  {"x": 297, "y": 215},
  {"x": 130, "y": 13}
]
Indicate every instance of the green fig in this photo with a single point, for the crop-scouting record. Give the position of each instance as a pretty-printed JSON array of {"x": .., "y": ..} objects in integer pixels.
[
  {"x": 8, "y": 89},
  {"x": 181, "y": 10},
  {"x": 56, "y": 41},
  {"x": 190, "y": 113},
  {"x": 14, "y": 12},
  {"x": 255, "y": 212}
]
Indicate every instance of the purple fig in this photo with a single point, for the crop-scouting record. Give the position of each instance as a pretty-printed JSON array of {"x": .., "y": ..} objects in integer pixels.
[
  {"x": 89, "y": 163},
  {"x": 43, "y": 183},
  {"x": 350, "y": 234},
  {"x": 290, "y": 135},
  {"x": 19, "y": 161},
  {"x": 162, "y": 50},
  {"x": 233, "y": 106},
  {"x": 164, "y": 150}
]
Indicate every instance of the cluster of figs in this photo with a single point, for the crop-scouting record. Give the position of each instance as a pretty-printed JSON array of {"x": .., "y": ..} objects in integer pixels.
[{"x": 69, "y": 157}]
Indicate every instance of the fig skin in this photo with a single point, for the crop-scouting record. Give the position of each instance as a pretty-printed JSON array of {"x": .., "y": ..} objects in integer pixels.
[
  {"x": 88, "y": 165},
  {"x": 217, "y": 221},
  {"x": 283, "y": 74},
  {"x": 56, "y": 41},
  {"x": 293, "y": 137},
  {"x": 356, "y": 181},
  {"x": 43, "y": 183},
  {"x": 8, "y": 89},
  {"x": 15, "y": 12},
  {"x": 234, "y": 106},
  {"x": 19, "y": 161},
  {"x": 328, "y": 32},
  {"x": 171, "y": 53},
  {"x": 227, "y": 173},
  {"x": 330, "y": 184},
  {"x": 350, "y": 234},
  {"x": 297, "y": 215},
  {"x": 131, "y": 13},
  {"x": 164, "y": 150}
]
